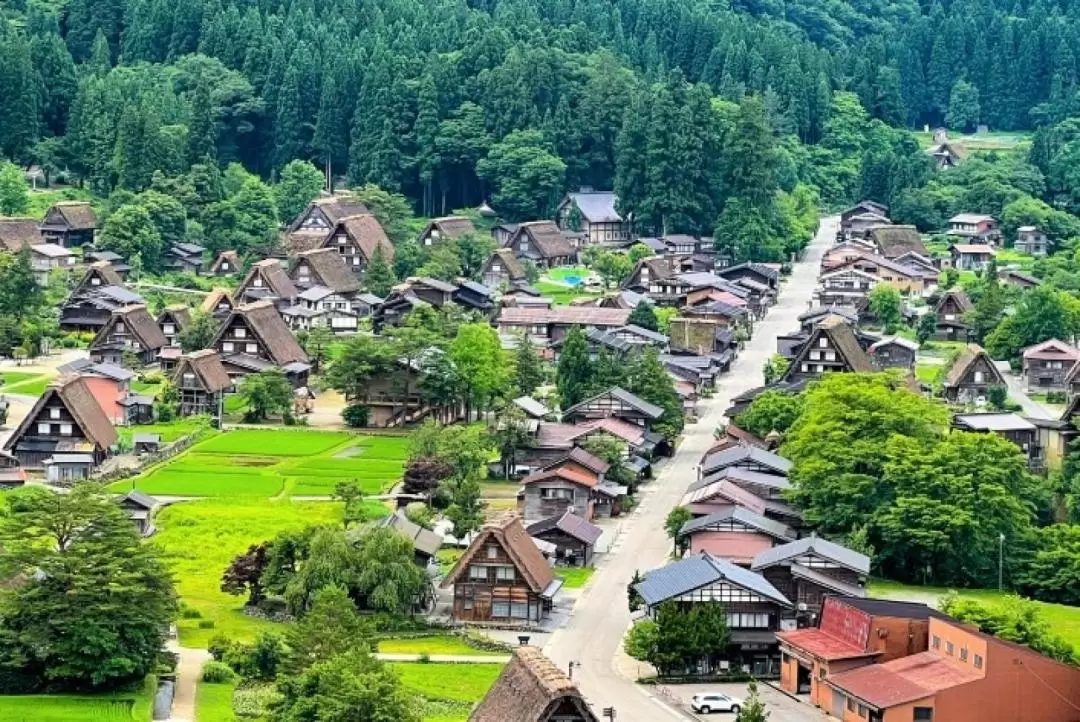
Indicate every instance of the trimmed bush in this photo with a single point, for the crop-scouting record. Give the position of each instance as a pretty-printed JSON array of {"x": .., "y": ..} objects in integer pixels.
[{"x": 217, "y": 673}]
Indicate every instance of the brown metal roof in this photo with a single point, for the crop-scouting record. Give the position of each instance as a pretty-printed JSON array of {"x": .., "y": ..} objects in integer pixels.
[
  {"x": 561, "y": 472},
  {"x": 1053, "y": 349},
  {"x": 530, "y": 689},
  {"x": 507, "y": 531},
  {"x": 17, "y": 233},
  {"x": 902, "y": 680},
  {"x": 206, "y": 365},
  {"x": 330, "y": 269}
]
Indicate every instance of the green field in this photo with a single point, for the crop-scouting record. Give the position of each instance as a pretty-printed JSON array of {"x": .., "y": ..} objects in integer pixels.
[
  {"x": 24, "y": 384},
  {"x": 561, "y": 294},
  {"x": 1064, "y": 620},
  {"x": 113, "y": 707},
  {"x": 435, "y": 644},
  {"x": 458, "y": 682},
  {"x": 574, "y": 577},
  {"x": 169, "y": 432},
  {"x": 213, "y": 702},
  {"x": 266, "y": 464}
]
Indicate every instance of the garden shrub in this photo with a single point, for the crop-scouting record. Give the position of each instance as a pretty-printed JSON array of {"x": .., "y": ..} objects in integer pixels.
[
  {"x": 254, "y": 701},
  {"x": 217, "y": 673}
]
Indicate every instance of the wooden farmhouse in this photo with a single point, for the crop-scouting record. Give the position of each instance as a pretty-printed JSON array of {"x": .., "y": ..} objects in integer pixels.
[
  {"x": 69, "y": 224},
  {"x": 860, "y": 208},
  {"x": 550, "y": 492},
  {"x": 573, "y": 536},
  {"x": 185, "y": 258},
  {"x": 593, "y": 213},
  {"x": 426, "y": 543},
  {"x": 140, "y": 509},
  {"x": 317, "y": 221},
  {"x": 894, "y": 241},
  {"x": 532, "y": 689},
  {"x": 1009, "y": 426},
  {"x": 950, "y": 311},
  {"x": 130, "y": 330},
  {"x": 809, "y": 569},
  {"x": 323, "y": 267},
  {"x": 219, "y": 304},
  {"x": 502, "y": 268},
  {"x": 971, "y": 377},
  {"x": 903, "y": 278},
  {"x": 755, "y": 608},
  {"x": 971, "y": 256},
  {"x": 544, "y": 326},
  {"x": 172, "y": 320},
  {"x": 327, "y": 289},
  {"x": 409, "y": 295},
  {"x": 66, "y": 428},
  {"x": 267, "y": 280},
  {"x": 542, "y": 243},
  {"x": 226, "y": 263},
  {"x": 615, "y": 402},
  {"x": 832, "y": 347},
  {"x": 439, "y": 229},
  {"x": 893, "y": 352},
  {"x": 1047, "y": 364},
  {"x": 844, "y": 252},
  {"x": 201, "y": 381},
  {"x": 98, "y": 275},
  {"x": 1031, "y": 240},
  {"x": 734, "y": 533},
  {"x": 845, "y": 286},
  {"x": 502, "y": 577},
  {"x": 357, "y": 239},
  {"x": 255, "y": 338},
  {"x": 19, "y": 233},
  {"x": 978, "y": 228}
]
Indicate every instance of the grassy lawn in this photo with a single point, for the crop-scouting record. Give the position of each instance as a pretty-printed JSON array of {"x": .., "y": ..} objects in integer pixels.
[
  {"x": 447, "y": 557},
  {"x": 201, "y": 538},
  {"x": 169, "y": 432},
  {"x": 268, "y": 463},
  {"x": 1064, "y": 620},
  {"x": 459, "y": 682},
  {"x": 941, "y": 348},
  {"x": 574, "y": 577},
  {"x": 927, "y": 373},
  {"x": 499, "y": 489},
  {"x": 213, "y": 702},
  {"x": 435, "y": 644},
  {"x": 147, "y": 389},
  {"x": 26, "y": 384},
  {"x": 134, "y": 705},
  {"x": 561, "y": 294}
]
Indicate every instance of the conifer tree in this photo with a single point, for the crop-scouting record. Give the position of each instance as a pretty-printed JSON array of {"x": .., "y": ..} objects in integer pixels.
[{"x": 574, "y": 371}]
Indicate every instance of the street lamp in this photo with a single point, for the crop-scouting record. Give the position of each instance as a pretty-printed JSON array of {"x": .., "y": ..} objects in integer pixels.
[
  {"x": 1001, "y": 558},
  {"x": 570, "y": 669}
]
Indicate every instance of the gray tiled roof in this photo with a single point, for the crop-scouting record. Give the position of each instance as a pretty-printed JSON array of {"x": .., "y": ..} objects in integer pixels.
[
  {"x": 531, "y": 406},
  {"x": 739, "y": 454},
  {"x": 816, "y": 546},
  {"x": 695, "y": 572},
  {"x": 824, "y": 580},
  {"x": 597, "y": 206},
  {"x": 741, "y": 515},
  {"x": 649, "y": 409},
  {"x": 644, "y": 333},
  {"x": 736, "y": 474}
]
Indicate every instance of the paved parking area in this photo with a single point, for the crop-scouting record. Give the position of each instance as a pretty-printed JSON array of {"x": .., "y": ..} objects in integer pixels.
[{"x": 781, "y": 708}]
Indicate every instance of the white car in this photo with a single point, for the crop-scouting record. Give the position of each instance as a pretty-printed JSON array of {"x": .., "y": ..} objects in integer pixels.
[{"x": 709, "y": 702}]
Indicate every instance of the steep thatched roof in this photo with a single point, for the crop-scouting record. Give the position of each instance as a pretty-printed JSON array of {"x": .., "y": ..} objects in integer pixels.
[{"x": 531, "y": 689}]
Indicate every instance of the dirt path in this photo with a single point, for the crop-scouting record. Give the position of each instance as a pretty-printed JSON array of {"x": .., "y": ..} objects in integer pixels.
[{"x": 188, "y": 671}]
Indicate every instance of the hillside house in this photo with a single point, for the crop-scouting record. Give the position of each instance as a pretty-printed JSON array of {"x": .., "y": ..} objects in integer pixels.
[
  {"x": 1009, "y": 426},
  {"x": 893, "y": 352},
  {"x": 255, "y": 338},
  {"x": 947, "y": 154},
  {"x": 357, "y": 239},
  {"x": 97, "y": 275},
  {"x": 544, "y": 326},
  {"x": 502, "y": 269},
  {"x": 844, "y": 287},
  {"x": 172, "y": 320},
  {"x": 184, "y": 258},
  {"x": 45, "y": 257},
  {"x": 976, "y": 228},
  {"x": 950, "y": 311},
  {"x": 851, "y": 632},
  {"x": 734, "y": 533},
  {"x": 69, "y": 224},
  {"x": 594, "y": 214},
  {"x": 894, "y": 241},
  {"x": 226, "y": 263},
  {"x": 267, "y": 280},
  {"x": 903, "y": 278},
  {"x": 322, "y": 267},
  {"x": 19, "y": 233},
  {"x": 410, "y": 295},
  {"x": 615, "y": 402},
  {"x": 1031, "y": 240},
  {"x": 1019, "y": 279},
  {"x": 219, "y": 303},
  {"x": 755, "y": 609},
  {"x": 532, "y": 689},
  {"x": 970, "y": 378},
  {"x": 426, "y": 543},
  {"x": 201, "y": 381},
  {"x": 1045, "y": 365},
  {"x": 810, "y": 569},
  {"x": 502, "y": 577},
  {"x": 552, "y": 491},
  {"x": 317, "y": 221},
  {"x": 971, "y": 257},
  {"x": 439, "y": 229},
  {"x": 140, "y": 509},
  {"x": 573, "y": 536},
  {"x": 65, "y": 420},
  {"x": 759, "y": 273},
  {"x": 129, "y": 330},
  {"x": 832, "y": 347},
  {"x": 845, "y": 251},
  {"x": 849, "y": 218},
  {"x": 542, "y": 243},
  {"x": 319, "y": 306}
]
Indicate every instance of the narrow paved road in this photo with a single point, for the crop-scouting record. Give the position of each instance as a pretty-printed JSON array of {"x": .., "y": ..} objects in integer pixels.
[
  {"x": 1029, "y": 406},
  {"x": 595, "y": 630}
]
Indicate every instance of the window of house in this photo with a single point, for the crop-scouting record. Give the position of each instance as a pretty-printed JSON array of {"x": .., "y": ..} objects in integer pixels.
[
  {"x": 805, "y": 368},
  {"x": 54, "y": 413},
  {"x": 980, "y": 377},
  {"x": 923, "y": 714},
  {"x": 949, "y": 647},
  {"x": 356, "y": 260},
  {"x": 963, "y": 654},
  {"x": 240, "y": 332},
  {"x": 492, "y": 551},
  {"x": 44, "y": 429},
  {"x": 65, "y": 429},
  {"x": 477, "y": 572},
  {"x": 169, "y": 328},
  {"x": 95, "y": 281},
  {"x": 467, "y": 604},
  {"x": 850, "y": 704},
  {"x": 862, "y": 710},
  {"x": 252, "y": 348},
  {"x": 227, "y": 347},
  {"x": 936, "y": 642},
  {"x": 830, "y": 355},
  {"x": 823, "y": 342},
  {"x": 257, "y": 282},
  {"x": 500, "y": 609},
  {"x": 978, "y": 661},
  {"x": 505, "y": 574}
]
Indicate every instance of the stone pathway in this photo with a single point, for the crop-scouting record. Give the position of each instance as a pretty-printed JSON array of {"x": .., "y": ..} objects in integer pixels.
[{"x": 188, "y": 672}]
